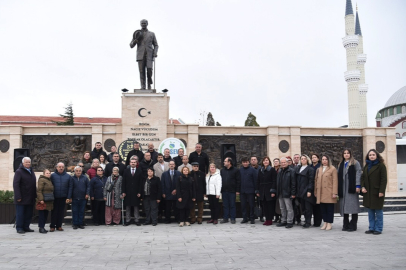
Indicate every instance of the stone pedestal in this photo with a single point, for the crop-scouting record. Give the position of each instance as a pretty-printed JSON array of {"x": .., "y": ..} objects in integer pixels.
[{"x": 144, "y": 117}]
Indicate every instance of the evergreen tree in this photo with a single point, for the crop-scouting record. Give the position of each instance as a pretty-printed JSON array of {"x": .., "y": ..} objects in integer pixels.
[
  {"x": 251, "y": 120},
  {"x": 68, "y": 116},
  {"x": 210, "y": 120}
]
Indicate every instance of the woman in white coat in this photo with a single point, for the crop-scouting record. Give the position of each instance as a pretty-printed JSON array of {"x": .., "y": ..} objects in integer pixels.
[{"x": 213, "y": 189}]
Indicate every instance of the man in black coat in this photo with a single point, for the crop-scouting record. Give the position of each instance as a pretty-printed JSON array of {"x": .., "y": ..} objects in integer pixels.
[
  {"x": 201, "y": 157},
  {"x": 178, "y": 158},
  {"x": 169, "y": 179},
  {"x": 25, "y": 193},
  {"x": 113, "y": 149},
  {"x": 286, "y": 192},
  {"x": 109, "y": 167},
  {"x": 131, "y": 189},
  {"x": 249, "y": 188},
  {"x": 146, "y": 163},
  {"x": 231, "y": 185},
  {"x": 199, "y": 179},
  {"x": 316, "y": 207},
  {"x": 135, "y": 152},
  {"x": 97, "y": 151},
  {"x": 167, "y": 156},
  {"x": 154, "y": 154}
]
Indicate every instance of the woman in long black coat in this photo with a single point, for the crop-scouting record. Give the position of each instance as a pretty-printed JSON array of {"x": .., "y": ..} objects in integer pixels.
[
  {"x": 305, "y": 188},
  {"x": 266, "y": 182},
  {"x": 186, "y": 194}
]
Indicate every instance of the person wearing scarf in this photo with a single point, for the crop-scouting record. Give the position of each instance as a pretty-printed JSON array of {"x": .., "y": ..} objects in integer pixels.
[
  {"x": 349, "y": 185},
  {"x": 113, "y": 199},
  {"x": 373, "y": 182}
]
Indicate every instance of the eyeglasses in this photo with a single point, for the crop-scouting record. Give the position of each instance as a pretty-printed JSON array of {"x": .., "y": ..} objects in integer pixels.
[
  {"x": 82, "y": 166},
  {"x": 99, "y": 170}
]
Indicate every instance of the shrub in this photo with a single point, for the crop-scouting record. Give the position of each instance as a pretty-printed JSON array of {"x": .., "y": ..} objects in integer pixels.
[{"x": 6, "y": 196}]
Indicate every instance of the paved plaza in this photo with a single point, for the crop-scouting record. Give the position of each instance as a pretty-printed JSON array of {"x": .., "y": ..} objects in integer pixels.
[{"x": 206, "y": 246}]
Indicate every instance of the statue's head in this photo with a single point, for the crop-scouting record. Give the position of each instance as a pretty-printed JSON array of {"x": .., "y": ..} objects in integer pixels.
[{"x": 144, "y": 23}]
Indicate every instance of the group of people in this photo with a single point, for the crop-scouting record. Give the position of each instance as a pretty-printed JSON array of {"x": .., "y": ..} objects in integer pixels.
[{"x": 282, "y": 189}]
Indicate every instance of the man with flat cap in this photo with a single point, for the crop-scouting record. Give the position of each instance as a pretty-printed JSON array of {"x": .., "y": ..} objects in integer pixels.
[
  {"x": 199, "y": 180},
  {"x": 147, "y": 50}
]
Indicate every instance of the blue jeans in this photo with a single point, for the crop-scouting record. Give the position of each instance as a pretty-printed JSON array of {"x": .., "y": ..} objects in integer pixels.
[
  {"x": 375, "y": 220},
  {"x": 78, "y": 211},
  {"x": 23, "y": 216},
  {"x": 229, "y": 205}
]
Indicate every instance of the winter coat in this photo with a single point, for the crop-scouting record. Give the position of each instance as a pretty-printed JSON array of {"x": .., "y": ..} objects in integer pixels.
[
  {"x": 96, "y": 187},
  {"x": 144, "y": 165},
  {"x": 200, "y": 182},
  {"x": 178, "y": 161},
  {"x": 202, "y": 159},
  {"x": 305, "y": 183},
  {"x": 109, "y": 168},
  {"x": 183, "y": 165},
  {"x": 326, "y": 184},
  {"x": 286, "y": 183},
  {"x": 167, "y": 159},
  {"x": 80, "y": 187},
  {"x": 231, "y": 179},
  {"x": 45, "y": 187},
  {"x": 185, "y": 189},
  {"x": 92, "y": 172},
  {"x": 62, "y": 184},
  {"x": 154, "y": 156},
  {"x": 134, "y": 152},
  {"x": 25, "y": 186},
  {"x": 158, "y": 169},
  {"x": 87, "y": 164},
  {"x": 96, "y": 153},
  {"x": 132, "y": 186},
  {"x": 213, "y": 183},
  {"x": 349, "y": 201},
  {"x": 168, "y": 184},
  {"x": 249, "y": 177},
  {"x": 266, "y": 183},
  {"x": 374, "y": 181},
  {"x": 117, "y": 192},
  {"x": 155, "y": 191}
]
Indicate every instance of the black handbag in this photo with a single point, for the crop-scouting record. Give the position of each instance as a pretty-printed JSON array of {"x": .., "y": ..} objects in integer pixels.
[{"x": 48, "y": 197}]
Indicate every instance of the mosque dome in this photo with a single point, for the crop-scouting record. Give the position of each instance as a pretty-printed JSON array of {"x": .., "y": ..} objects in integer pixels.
[{"x": 398, "y": 98}]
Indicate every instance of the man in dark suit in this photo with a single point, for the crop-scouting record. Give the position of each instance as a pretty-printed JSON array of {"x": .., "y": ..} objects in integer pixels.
[
  {"x": 169, "y": 180},
  {"x": 131, "y": 189},
  {"x": 25, "y": 192}
]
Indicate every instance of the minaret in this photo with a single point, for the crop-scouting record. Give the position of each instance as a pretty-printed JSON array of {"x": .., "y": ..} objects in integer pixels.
[
  {"x": 362, "y": 87},
  {"x": 352, "y": 75}
]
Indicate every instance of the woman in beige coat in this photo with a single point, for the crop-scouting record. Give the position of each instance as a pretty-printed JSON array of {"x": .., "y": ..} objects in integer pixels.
[
  {"x": 45, "y": 186},
  {"x": 325, "y": 190}
]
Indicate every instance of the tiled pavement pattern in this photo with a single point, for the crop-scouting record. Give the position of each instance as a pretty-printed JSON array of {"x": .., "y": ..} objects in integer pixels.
[{"x": 224, "y": 246}]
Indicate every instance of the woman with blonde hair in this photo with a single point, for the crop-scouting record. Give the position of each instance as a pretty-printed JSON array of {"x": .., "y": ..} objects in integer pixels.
[
  {"x": 326, "y": 190},
  {"x": 305, "y": 188},
  {"x": 186, "y": 194},
  {"x": 213, "y": 190},
  {"x": 45, "y": 195},
  {"x": 349, "y": 185}
]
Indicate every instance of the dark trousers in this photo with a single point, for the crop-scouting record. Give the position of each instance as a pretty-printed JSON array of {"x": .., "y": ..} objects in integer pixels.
[
  {"x": 183, "y": 214},
  {"x": 78, "y": 211},
  {"x": 58, "y": 213},
  {"x": 316, "y": 215},
  {"x": 229, "y": 205},
  {"x": 327, "y": 212},
  {"x": 347, "y": 224},
  {"x": 214, "y": 206},
  {"x": 307, "y": 209},
  {"x": 98, "y": 209},
  {"x": 296, "y": 210},
  {"x": 142, "y": 66},
  {"x": 42, "y": 218},
  {"x": 169, "y": 205},
  {"x": 269, "y": 209},
  {"x": 247, "y": 200},
  {"x": 151, "y": 210},
  {"x": 23, "y": 216}
]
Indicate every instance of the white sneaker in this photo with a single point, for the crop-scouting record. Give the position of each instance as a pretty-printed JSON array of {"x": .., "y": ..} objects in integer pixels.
[
  {"x": 181, "y": 224},
  {"x": 187, "y": 223}
]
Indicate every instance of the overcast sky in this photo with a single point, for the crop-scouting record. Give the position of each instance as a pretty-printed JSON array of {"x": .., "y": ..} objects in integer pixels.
[{"x": 281, "y": 60}]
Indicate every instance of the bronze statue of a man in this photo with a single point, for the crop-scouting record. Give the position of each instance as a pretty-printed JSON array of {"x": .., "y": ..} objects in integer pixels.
[{"x": 147, "y": 50}]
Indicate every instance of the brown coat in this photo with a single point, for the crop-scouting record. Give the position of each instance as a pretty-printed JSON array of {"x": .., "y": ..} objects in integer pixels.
[
  {"x": 45, "y": 186},
  {"x": 326, "y": 184}
]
